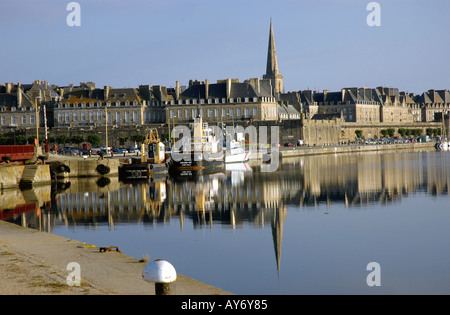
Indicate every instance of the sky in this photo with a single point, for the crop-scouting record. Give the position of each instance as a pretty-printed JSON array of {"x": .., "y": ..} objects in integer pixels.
[{"x": 321, "y": 44}]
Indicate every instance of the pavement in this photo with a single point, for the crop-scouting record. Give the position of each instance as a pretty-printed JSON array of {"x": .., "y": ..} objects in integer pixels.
[{"x": 36, "y": 263}]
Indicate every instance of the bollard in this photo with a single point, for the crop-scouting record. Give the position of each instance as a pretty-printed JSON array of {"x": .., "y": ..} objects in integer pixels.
[{"x": 162, "y": 273}]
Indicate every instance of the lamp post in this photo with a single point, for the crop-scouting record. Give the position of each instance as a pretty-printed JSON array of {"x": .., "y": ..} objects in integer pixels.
[
  {"x": 173, "y": 125},
  {"x": 37, "y": 119},
  {"x": 106, "y": 127}
]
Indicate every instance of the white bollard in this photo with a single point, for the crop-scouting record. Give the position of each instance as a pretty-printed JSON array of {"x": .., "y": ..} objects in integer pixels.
[{"x": 162, "y": 273}]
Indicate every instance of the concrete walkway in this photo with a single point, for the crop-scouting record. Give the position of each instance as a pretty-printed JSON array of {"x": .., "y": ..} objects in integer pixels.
[{"x": 33, "y": 262}]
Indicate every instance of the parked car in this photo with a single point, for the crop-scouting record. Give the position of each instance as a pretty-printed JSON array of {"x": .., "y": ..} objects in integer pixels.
[
  {"x": 288, "y": 144},
  {"x": 133, "y": 150}
]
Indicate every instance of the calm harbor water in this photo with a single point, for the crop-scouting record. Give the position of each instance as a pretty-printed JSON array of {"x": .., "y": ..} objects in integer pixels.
[{"x": 312, "y": 227}]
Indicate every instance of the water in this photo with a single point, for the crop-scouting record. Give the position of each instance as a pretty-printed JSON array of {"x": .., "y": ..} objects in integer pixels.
[{"x": 312, "y": 227}]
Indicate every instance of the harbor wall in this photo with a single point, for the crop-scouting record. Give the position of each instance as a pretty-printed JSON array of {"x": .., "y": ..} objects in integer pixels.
[
  {"x": 12, "y": 175},
  {"x": 301, "y": 151}
]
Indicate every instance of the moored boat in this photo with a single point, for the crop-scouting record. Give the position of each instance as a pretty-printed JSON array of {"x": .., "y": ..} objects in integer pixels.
[
  {"x": 153, "y": 161},
  {"x": 201, "y": 154}
]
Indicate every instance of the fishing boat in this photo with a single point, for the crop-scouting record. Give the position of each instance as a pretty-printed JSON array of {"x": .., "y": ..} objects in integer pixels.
[
  {"x": 235, "y": 151},
  {"x": 198, "y": 155},
  {"x": 152, "y": 163}
]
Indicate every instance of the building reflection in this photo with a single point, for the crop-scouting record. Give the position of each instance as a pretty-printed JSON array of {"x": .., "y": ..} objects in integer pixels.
[{"x": 235, "y": 198}]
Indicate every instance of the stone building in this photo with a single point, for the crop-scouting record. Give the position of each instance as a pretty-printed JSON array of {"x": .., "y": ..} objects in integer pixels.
[
  {"x": 18, "y": 104},
  {"x": 433, "y": 102},
  {"x": 227, "y": 100},
  {"x": 88, "y": 106},
  {"x": 360, "y": 105}
]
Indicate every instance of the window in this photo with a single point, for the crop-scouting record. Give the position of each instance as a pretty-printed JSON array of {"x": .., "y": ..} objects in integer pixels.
[
  {"x": 83, "y": 116},
  {"x": 238, "y": 112},
  {"x": 231, "y": 112},
  {"x": 13, "y": 120},
  {"x": 247, "y": 112},
  {"x": 194, "y": 113},
  {"x": 75, "y": 116},
  {"x": 117, "y": 117},
  {"x": 255, "y": 111},
  {"x": 171, "y": 113},
  {"x": 91, "y": 117},
  {"x": 99, "y": 115},
  {"x": 180, "y": 113},
  {"x": 24, "y": 120},
  {"x": 209, "y": 112},
  {"x": 188, "y": 113},
  {"x": 216, "y": 112},
  {"x": 135, "y": 116},
  {"x": 3, "y": 120}
]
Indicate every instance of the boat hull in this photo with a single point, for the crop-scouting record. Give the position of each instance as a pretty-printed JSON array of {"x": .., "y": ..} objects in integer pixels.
[
  {"x": 237, "y": 158},
  {"x": 194, "y": 165},
  {"x": 141, "y": 171}
]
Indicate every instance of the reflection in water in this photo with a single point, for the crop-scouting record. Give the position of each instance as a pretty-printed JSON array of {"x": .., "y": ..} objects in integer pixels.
[{"x": 239, "y": 196}]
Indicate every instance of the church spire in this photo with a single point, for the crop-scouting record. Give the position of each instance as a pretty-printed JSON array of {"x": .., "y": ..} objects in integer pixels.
[
  {"x": 272, "y": 71},
  {"x": 272, "y": 62}
]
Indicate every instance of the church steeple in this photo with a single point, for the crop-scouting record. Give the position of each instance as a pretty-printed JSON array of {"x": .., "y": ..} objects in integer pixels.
[
  {"x": 272, "y": 71},
  {"x": 272, "y": 62}
]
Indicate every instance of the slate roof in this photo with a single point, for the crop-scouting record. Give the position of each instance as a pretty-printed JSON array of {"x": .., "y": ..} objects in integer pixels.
[{"x": 218, "y": 90}]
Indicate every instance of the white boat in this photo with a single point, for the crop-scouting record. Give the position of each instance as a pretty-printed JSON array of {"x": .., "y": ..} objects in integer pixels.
[{"x": 235, "y": 152}]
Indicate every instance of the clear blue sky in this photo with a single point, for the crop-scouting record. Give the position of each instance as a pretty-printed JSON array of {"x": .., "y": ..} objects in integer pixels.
[{"x": 321, "y": 44}]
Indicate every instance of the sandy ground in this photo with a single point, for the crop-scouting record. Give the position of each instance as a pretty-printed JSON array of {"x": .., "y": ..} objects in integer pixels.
[
  {"x": 35, "y": 263},
  {"x": 25, "y": 274}
]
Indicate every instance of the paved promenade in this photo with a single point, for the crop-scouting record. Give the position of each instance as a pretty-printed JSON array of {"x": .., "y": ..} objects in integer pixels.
[{"x": 34, "y": 263}]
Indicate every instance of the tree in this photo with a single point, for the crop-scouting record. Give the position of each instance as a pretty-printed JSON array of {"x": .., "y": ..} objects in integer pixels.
[
  {"x": 21, "y": 139},
  {"x": 358, "y": 133},
  {"x": 77, "y": 139},
  {"x": 62, "y": 139},
  {"x": 429, "y": 132},
  {"x": 139, "y": 138},
  {"x": 4, "y": 140},
  {"x": 391, "y": 132},
  {"x": 402, "y": 131},
  {"x": 93, "y": 139},
  {"x": 384, "y": 133},
  {"x": 123, "y": 139}
]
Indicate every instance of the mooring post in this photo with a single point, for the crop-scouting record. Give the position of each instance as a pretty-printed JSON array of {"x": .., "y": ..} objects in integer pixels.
[{"x": 162, "y": 273}]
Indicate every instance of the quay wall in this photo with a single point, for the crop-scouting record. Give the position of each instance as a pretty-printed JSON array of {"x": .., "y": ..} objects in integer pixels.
[
  {"x": 87, "y": 167},
  {"x": 11, "y": 175},
  {"x": 301, "y": 151}
]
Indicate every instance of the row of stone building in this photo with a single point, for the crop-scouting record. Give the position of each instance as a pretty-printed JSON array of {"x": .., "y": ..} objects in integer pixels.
[
  {"x": 226, "y": 100},
  {"x": 254, "y": 100}
]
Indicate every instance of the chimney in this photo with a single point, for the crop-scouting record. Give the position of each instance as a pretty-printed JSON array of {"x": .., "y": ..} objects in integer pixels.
[
  {"x": 206, "y": 89},
  {"x": 9, "y": 87},
  {"x": 19, "y": 96},
  {"x": 106, "y": 91},
  {"x": 177, "y": 90},
  {"x": 228, "y": 85}
]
